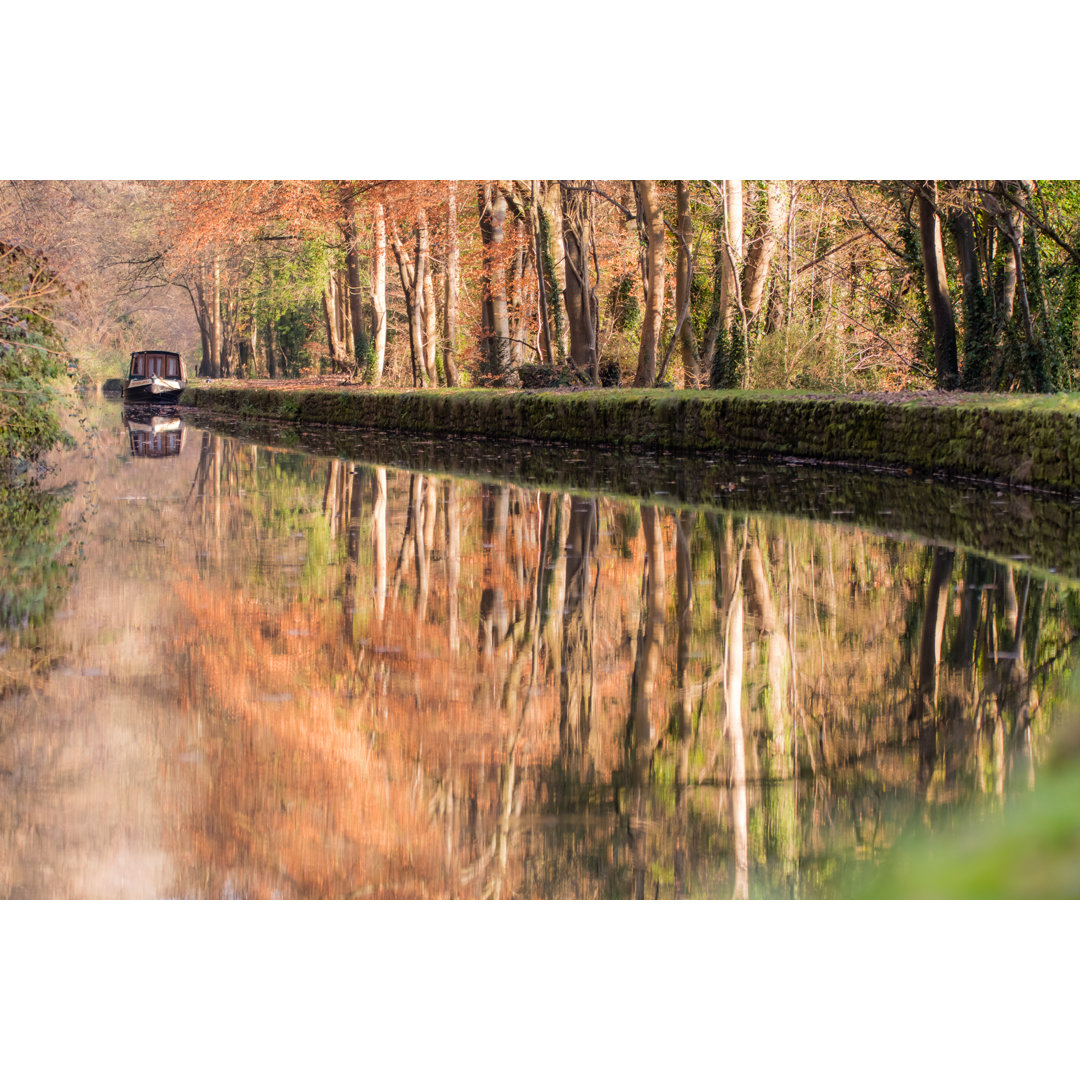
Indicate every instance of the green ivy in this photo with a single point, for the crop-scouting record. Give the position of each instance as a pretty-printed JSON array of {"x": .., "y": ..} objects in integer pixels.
[{"x": 32, "y": 356}]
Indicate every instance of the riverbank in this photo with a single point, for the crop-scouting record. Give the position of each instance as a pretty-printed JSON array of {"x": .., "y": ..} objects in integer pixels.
[{"x": 1030, "y": 441}]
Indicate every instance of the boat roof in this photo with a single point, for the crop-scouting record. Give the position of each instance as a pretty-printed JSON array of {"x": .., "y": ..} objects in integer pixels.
[{"x": 159, "y": 352}]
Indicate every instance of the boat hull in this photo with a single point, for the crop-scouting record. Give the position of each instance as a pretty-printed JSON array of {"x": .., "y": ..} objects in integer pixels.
[{"x": 158, "y": 391}]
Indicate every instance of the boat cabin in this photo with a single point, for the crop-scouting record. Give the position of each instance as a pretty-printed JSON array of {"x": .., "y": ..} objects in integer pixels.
[{"x": 165, "y": 365}]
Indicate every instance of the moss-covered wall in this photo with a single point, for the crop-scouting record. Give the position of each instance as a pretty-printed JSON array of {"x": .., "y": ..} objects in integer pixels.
[{"x": 1016, "y": 439}]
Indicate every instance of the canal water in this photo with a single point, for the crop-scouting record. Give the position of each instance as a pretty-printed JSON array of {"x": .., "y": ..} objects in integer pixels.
[{"x": 251, "y": 663}]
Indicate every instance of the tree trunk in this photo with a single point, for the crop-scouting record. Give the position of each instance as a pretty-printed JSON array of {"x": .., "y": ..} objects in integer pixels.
[
  {"x": 202, "y": 317},
  {"x": 937, "y": 288},
  {"x": 495, "y": 323},
  {"x": 539, "y": 255},
  {"x": 452, "y": 285},
  {"x": 356, "y": 299},
  {"x": 731, "y": 266},
  {"x": 1011, "y": 264},
  {"x": 978, "y": 331},
  {"x": 423, "y": 320},
  {"x": 378, "y": 292},
  {"x": 653, "y": 215},
  {"x": 716, "y": 310},
  {"x": 762, "y": 248},
  {"x": 579, "y": 295},
  {"x": 330, "y": 314},
  {"x": 551, "y": 209},
  {"x": 517, "y": 297},
  {"x": 271, "y": 359},
  {"x": 344, "y": 315},
  {"x": 254, "y": 343},
  {"x": 431, "y": 326},
  {"x": 215, "y": 322},
  {"x": 684, "y": 270},
  {"x": 412, "y": 286}
]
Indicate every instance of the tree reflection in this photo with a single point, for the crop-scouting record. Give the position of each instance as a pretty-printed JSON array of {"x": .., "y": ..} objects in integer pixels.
[{"x": 787, "y": 724}]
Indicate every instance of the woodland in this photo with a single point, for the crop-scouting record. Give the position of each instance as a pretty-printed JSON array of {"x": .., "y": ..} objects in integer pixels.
[{"x": 722, "y": 284}]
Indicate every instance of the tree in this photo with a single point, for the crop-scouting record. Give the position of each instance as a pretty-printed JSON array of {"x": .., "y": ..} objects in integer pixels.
[
  {"x": 579, "y": 292},
  {"x": 651, "y": 216},
  {"x": 32, "y": 355},
  {"x": 937, "y": 287},
  {"x": 494, "y": 320}
]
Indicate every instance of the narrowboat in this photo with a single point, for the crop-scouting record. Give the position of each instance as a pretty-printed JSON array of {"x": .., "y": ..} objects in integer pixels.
[{"x": 156, "y": 376}]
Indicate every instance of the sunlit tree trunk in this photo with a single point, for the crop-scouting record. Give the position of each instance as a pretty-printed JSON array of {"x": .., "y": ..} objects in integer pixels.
[
  {"x": 378, "y": 292},
  {"x": 683, "y": 280},
  {"x": 551, "y": 206},
  {"x": 547, "y": 350},
  {"x": 517, "y": 297},
  {"x": 759, "y": 255},
  {"x": 450, "y": 328},
  {"x": 731, "y": 266},
  {"x": 431, "y": 326},
  {"x": 412, "y": 284},
  {"x": 215, "y": 321},
  {"x": 253, "y": 342},
  {"x": 418, "y": 321},
  {"x": 495, "y": 323},
  {"x": 653, "y": 217}
]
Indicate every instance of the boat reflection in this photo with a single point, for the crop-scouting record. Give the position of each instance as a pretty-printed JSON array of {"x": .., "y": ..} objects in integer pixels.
[{"x": 154, "y": 434}]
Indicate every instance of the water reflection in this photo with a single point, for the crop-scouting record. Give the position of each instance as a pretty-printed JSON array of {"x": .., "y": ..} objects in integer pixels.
[
  {"x": 363, "y": 681},
  {"x": 154, "y": 434}
]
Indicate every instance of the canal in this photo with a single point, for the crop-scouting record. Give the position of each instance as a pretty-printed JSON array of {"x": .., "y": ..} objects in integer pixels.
[{"x": 251, "y": 662}]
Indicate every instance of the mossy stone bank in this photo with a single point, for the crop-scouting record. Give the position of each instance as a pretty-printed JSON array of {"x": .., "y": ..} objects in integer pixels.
[{"x": 1027, "y": 440}]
